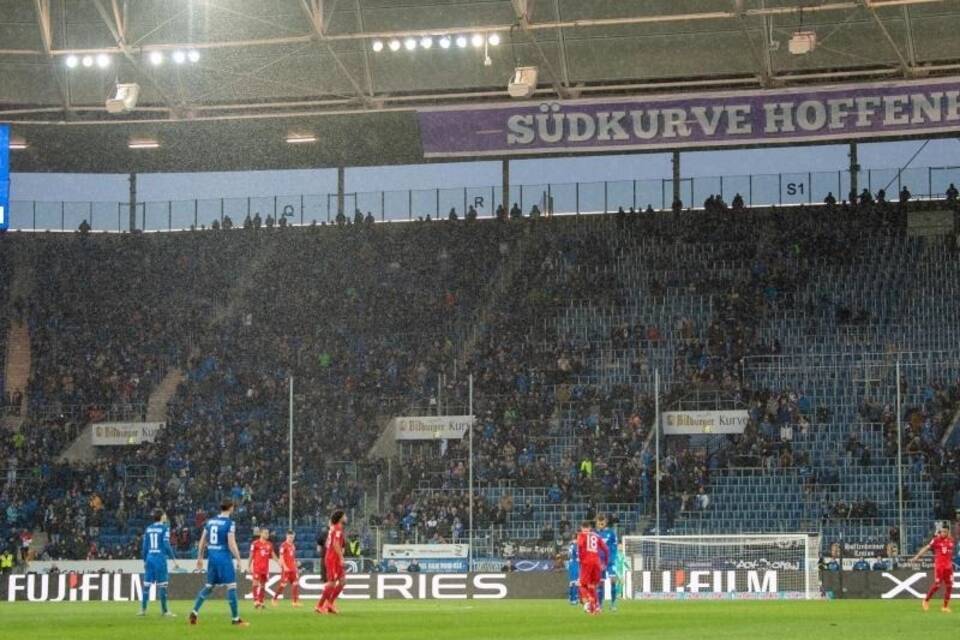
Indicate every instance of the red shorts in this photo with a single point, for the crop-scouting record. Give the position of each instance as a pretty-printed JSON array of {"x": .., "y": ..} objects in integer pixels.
[
  {"x": 334, "y": 569},
  {"x": 260, "y": 576},
  {"x": 943, "y": 574},
  {"x": 590, "y": 574},
  {"x": 290, "y": 577}
]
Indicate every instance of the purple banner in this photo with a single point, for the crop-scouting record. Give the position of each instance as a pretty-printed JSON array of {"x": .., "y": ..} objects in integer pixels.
[{"x": 877, "y": 110}]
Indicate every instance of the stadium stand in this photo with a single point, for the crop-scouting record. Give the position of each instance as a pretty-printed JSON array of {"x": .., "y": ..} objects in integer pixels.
[{"x": 796, "y": 314}]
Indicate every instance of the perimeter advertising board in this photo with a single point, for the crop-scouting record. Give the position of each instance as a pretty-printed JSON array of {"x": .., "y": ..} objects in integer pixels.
[
  {"x": 883, "y": 585},
  {"x": 128, "y": 587}
]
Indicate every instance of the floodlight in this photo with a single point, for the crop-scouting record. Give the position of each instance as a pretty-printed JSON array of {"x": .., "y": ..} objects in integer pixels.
[
  {"x": 378, "y": 45},
  {"x": 426, "y": 42},
  {"x": 143, "y": 144},
  {"x": 494, "y": 39},
  {"x": 72, "y": 62},
  {"x": 395, "y": 45},
  {"x": 477, "y": 40},
  {"x": 301, "y": 138},
  {"x": 193, "y": 55},
  {"x": 156, "y": 58},
  {"x": 462, "y": 41},
  {"x": 103, "y": 60},
  {"x": 179, "y": 57},
  {"x": 445, "y": 42},
  {"x": 410, "y": 44},
  {"x": 87, "y": 61}
]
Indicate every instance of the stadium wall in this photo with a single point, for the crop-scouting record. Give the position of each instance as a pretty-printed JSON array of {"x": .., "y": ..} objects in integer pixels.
[{"x": 128, "y": 587}]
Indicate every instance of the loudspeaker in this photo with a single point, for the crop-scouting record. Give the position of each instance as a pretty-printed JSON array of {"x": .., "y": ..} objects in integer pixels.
[
  {"x": 125, "y": 100},
  {"x": 524, "y": 82}
]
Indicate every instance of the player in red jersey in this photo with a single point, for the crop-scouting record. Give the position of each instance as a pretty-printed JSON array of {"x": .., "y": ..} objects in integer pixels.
[
  {"x": 593, "y": 554},
  {"x": 942, "y": 546},
  {"x": 261, "y": 552},
  {"x": 333, "y": 561},
  {"x": 288, "y": 568},
  {"x": 253, "y": 543}
]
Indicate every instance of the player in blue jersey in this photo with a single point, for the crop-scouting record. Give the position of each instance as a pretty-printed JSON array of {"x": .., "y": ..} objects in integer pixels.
[
  {"x": 219, "y": 538},
  {"x": 573, "y": 573},
  {"x": 607, "y": 534},
  {"x": 155, "y": 550}
]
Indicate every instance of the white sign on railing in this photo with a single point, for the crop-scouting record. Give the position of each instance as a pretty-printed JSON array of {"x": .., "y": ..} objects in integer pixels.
[
  {"x": 431, "y": 427},
  {"x": 124, "y": 434},
  {"x": 688, "y": 423},
  {"x": 421, "y": 551}
]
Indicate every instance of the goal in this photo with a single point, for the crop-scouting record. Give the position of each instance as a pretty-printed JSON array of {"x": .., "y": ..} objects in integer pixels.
[{"x": 718, "y": 567}]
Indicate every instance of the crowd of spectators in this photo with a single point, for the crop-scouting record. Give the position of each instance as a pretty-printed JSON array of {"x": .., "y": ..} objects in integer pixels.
[
  {"x": 369, "y": 319},
  {"x": 530, "y": 373}
]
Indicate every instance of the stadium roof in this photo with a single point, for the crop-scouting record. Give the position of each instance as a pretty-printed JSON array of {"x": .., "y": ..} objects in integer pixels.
[{"x": 268, "y": 69}]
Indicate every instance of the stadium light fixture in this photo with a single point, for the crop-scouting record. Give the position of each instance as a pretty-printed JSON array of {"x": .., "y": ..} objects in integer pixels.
[
  {"x": 426, "y": 42},
  {"x": 445, "y": 42},
  {"x": 377, "y": 46},
  {"x": 103, "y": 60},
  {"x": 144, "y": 144},
  {"x": 18, "y": 144},
  {"x": 87, "y": 61},
  {"x": 179, "y": 57},
  {"x": 494, "y": 39},
  {"x": 395, "y": 45},
  {"x": 410, "y": 44},
  {"x": 72, "y": 62},
  {"x": 156, "y": 58},
  {"x": 301, "y": 138},
  {"x": 476, "y": 41},
  {"x": 462, "y": 42},
  {"x": 193, "y": 55}
]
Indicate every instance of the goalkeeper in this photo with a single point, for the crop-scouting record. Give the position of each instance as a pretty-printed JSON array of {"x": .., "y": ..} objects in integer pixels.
[
  {"x": 607, "y": 533},
  {"x": 620, "y": 571}
]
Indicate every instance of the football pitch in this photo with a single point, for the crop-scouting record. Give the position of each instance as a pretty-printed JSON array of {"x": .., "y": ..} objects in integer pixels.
[{"x": 546, "y": 619}]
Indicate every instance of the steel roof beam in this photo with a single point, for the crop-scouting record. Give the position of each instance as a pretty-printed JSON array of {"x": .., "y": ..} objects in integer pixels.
[
  {"x": 116, "y": 23},
  {"x": 911, "y": 45},
  {"x": 549, "y": 25},
  {"x": 314, "y": 11},
  {"x": 46, "y": 37},
  {"x": 870, "y": 6}
]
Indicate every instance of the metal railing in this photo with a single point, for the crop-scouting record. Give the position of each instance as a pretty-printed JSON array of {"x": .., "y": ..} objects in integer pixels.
[{"x": 550, "y": 198}]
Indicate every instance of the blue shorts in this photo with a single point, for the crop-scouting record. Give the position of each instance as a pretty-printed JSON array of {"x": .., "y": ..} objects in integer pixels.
[
  {"x": 573, "y": 573},
  {"x": 221, "y": 571},
  {"x": 155, "y": 570}
]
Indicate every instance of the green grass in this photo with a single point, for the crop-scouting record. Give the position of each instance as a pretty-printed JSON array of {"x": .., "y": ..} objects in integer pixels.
[{"x": 531, "y": 619}]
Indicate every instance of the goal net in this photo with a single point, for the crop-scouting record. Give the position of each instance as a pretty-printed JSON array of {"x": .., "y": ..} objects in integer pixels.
[{"x": 717, "y": 567}]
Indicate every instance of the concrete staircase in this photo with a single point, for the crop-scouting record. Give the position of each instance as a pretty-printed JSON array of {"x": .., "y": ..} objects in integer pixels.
[
  {"x": 16, "y": 373},
  {"x": 159, "y": 397},
  {"x": 82, "y": 449},
  {"x": 38, "y": 544}
]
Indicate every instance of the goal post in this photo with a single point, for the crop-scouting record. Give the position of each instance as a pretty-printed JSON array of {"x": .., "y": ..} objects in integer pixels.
[{"x": 720, "y": 567}]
